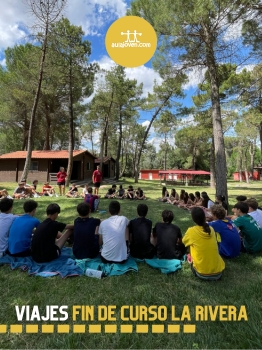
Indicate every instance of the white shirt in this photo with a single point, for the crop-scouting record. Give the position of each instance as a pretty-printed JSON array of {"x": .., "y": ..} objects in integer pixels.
[
  {"x": 210, "y": 204},
  {"x": 113, "y": 231},
  {"x": 6, "y": 221},
  {"x": 85, "y": 191},
  {"x": 257, "y": 216}
]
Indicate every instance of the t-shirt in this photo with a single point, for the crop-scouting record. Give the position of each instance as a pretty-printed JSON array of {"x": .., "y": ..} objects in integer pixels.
[
  {"x": 113, "y": 231},
  {"x": 90, "y": 198},
  {"x": 140, "y": 193},
  {"x": 61, "y": 175},
  {"x": 6, "y": 221},
  {"x": 111, "y": 191},
  {"x": 86, "y": 243},
  {"x": 97, "y": 176},
  {"x": 230, "y": 244},
  {"x": 20, "y": 233},
  {"x": 73, "y": 189},
  {"x": 44, "y": 238},
  {"x": 252, "y": 234},
  {"x": 210, "y": 204},
  {"x": 257, "y": 216},
  {"x": 46, "y": 188},
  {"x": 140, "y": 228},
  {"x": 168, "y": 246},
  {"x": 204, "y": 250},
  {"x": 85, "y": 191},
  {"x": 19, "y": 190},
  {"x": 121, "y": 192}
]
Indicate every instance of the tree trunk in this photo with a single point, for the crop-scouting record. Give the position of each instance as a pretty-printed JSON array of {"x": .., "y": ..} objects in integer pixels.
[
  {"x": 260, "y": 137},
  {"x": 34, "y": 108},
  {"x": 159, "y": 109},
  {"x": 212, "y": 165},
  {"x": 48, "y": 126},
  {"x": 245, "y": 166},
  {"x": 71, "y": 130},
  {"x": 240, "y": 162},
  {"x": 220, "y": 156},
  {"x": 119, "y": 145},
  {"x": 252, "y": 148}
]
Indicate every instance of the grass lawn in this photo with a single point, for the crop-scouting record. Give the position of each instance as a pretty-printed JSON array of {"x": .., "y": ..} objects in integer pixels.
[{"x": 240, "y": 285}]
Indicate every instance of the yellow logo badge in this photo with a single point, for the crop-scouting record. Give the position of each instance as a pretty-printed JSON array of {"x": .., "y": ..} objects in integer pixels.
[{"x": 131, "y": 41}]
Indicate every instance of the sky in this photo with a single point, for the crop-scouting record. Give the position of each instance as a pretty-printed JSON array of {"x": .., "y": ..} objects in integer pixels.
[{"x": 95, "y": 17}]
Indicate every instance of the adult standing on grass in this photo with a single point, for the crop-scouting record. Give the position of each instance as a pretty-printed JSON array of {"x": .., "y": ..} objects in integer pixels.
[
  {"x": 97, "y": 178},
  {"x": 61, "y": 178}
]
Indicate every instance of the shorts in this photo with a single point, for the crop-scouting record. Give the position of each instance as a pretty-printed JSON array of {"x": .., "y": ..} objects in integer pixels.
[
  {"x": 213, "y": 277},
  {"x": 105, "y": 261},
  {"x": 61, "y": 183},
  {"x": 46, "y": 256},
  {"x": 97, "y": 184}
]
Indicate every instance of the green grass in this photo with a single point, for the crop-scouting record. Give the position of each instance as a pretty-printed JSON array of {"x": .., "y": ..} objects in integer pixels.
[{"x": 240, "y": 285}]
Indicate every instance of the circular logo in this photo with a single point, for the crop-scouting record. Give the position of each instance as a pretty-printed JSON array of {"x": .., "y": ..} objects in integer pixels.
[{"x": 131, "y": 41}]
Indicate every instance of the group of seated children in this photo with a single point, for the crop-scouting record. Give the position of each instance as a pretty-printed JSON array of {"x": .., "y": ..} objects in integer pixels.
[
  {"x": 208, "y": 242},
  {"x": 189, "y": 200},
  {"x": 131, "y": 193},
  {"x": 24, "y": 190}
]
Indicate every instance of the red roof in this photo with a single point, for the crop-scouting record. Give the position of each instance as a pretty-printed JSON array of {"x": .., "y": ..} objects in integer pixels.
[
  {"x": 184, "y": 172},
  {"x": 42, "y": 154}
]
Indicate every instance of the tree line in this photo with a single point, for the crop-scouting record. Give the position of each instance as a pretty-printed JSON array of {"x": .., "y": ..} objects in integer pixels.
[{"x": 45, "y": 83}]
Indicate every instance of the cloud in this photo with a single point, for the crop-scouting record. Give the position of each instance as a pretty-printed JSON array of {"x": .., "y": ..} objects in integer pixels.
[
  {"x": 142, "y": 74},
  {"x": 93, "y": 15},
  {"x": 248, "y": 67},
  {"x": 195, "y": 76},
  {"x": 13, "y": 21},
  {"x": 3, "y": 62},
  {"x": 234, "y": 31}
]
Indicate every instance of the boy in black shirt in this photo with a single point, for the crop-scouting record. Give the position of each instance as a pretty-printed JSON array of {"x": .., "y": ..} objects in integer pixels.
[
  {"x": 140, "y": 234},
  {"x": 111, "y": 193},
  {"x": 168, "y": 238},
  {"x": 85, "y": 238},
  {"x": 45, "y": 244}
]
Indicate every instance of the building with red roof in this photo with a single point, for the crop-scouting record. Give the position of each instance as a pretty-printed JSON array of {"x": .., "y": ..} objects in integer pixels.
[{"x": 43, "y": 163}]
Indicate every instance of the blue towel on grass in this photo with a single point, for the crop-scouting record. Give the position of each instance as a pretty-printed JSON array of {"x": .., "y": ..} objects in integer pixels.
[
  {"x": 164, "y": 265},
  {"x": 108, "y": 269},
  {"x": 63, "y": 266}
]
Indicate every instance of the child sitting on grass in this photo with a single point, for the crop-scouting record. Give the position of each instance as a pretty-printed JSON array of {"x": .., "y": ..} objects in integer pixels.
[
  {"x": 140, "y": 194},
  {"x": 20, "y": 235},
  {"x": 254, "y": 211},
  {"x": 168, "y": 238},
  {"x": 73, "y": 192},
  {"x": 6, "y": 220},
  {"x": 92, "y": 199},
  {"x": 206, "y": 263},
  {"x": 45, "y": 244},
  {"x": 111, "y": 193},
  {"x": 165, "y": 195},
  {"x": 130, "y": 192},
  {"x": 113, "y": 235},
  {"x": 86, "y": 243},
  {"x": 249, "y": 230},
  {"x": 230, "y": 244},
  {"x": 120, "y": 194},
  {"x": 140, "y": 235}
]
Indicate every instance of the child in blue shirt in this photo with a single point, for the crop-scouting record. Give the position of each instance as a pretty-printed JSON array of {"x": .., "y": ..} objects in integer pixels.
[
  {"x": 19, "y": 241},
  {"x": 229, "y": 244}
]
